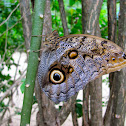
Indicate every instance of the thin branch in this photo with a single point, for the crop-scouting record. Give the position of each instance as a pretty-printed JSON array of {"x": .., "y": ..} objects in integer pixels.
[
  {"x": 9, "y": 15},
  {"x": 63, "y": 17},
  {"x": 5, "y": 120},
  {"x": 14, "y": 114},
  {"x": 15, "y": 77},
  {"x": 13, "y": 53},
  {"x": 13, "y": 25},
  {"x": 6, "y": 83},
  {"x": 2, "y": 85},
  {"x": 17, "y": 68},
  {"x": 5, "y": 110},
  {"x": 17, "y": 82},
  {"x": 5, "y": 48}
]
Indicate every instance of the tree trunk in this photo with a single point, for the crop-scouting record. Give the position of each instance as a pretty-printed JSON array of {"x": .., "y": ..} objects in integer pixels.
[
  {"x": 85, "y": 108},
  {"x": 66, "y": 109},
  {"x": 46, "y": 107},
  {"x": 90, "y": 17},
  {"x": 63, "y": 17},
  {"x": 119, "y": 97},
  {"x": 47, "y": 112},
  {"x": 26, "y": 21},
  {"x": 111, "y": 5},
  {"x": 74, "y": 115}
]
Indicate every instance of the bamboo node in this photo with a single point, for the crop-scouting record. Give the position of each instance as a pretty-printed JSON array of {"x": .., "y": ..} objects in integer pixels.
[
  {"x": 27, "y": 85},
  {"x": 41, "y": 15}
]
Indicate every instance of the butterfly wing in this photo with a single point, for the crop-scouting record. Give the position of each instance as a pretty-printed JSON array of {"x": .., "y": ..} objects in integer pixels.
[{"x": 74, "y": 62}]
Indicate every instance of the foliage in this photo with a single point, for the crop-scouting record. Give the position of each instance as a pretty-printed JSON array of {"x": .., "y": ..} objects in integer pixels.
[
  {"x": 79, "y": 108},
  {"x": 73, "y": 11},
  {"x": 22, "y": 87},
  {"x": 103, "y": 21},
  {"x": 106, "y": 81},
  {"x": 9, "y": 41},
  {"x": 3, "y": 106},
  {"x": 104, "y": 104},
  {"x": 14, "y": 37},
  {"x": 73, "y": 15}
]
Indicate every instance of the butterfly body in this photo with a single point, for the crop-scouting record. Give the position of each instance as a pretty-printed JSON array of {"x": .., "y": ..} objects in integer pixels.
[{"x": 69, "y": 63}]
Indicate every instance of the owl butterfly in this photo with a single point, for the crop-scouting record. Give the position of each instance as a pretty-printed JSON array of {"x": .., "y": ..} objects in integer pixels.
[{"x": 69, "y": 63}]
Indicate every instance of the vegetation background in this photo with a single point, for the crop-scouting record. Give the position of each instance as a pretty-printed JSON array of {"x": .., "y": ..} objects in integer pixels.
[{"x": 15, "y": 35}]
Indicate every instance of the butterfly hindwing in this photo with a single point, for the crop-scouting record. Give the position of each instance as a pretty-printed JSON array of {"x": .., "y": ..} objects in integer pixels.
[{"x": 69, "y": 63}]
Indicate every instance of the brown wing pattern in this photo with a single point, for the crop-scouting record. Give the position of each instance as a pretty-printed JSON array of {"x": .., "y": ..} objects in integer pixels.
[{"x": 69, "y": 63}]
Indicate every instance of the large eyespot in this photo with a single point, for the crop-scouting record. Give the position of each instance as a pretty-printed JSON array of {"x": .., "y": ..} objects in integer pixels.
[
  {"x": 73, "y": 54},
  {"x": 56, "y": 76},
  {"x": 124, "y": 56}
]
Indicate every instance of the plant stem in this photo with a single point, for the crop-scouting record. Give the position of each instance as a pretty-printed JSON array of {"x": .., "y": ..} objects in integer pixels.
[{"x": 37, "y": 27}]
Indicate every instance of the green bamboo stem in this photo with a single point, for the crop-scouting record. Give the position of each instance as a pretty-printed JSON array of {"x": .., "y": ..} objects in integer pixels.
[{"x": 37, "y": 27}]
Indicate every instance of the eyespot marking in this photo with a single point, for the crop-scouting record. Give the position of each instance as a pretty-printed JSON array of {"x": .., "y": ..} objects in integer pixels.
[
  {"x": 56, "y": 76},
  {"x": 107, "y": 60},
  {"x": 113, "y": 58},
  {"x": 124, "y": 56},
  {"x": 70, "y": 69},
  {"x": 73, "y": 54}
]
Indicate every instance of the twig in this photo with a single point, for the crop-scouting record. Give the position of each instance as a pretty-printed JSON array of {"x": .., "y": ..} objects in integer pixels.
[
  {"x": 5, "y": 110},
  {"x": 5, "y": 48},
  {"x": 16, "y": 74},
  {"x": 2, "y": 85},
  {"x": 14, "y": 114},
  {"x": 14, "y": 52},
  {"x": 9, "y": 15},
  {"x": 17, "y": 67},
  {"x": 39, "y": 35},
  {"x": 15, "y": 78},
  {"x": 11, "y": 26},
  {"x": 15, "y": 84},
  {"x": 5, "y": 120}
]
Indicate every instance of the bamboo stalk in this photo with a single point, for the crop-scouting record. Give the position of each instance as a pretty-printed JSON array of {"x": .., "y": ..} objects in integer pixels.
[{"x": 37, "y": 27}]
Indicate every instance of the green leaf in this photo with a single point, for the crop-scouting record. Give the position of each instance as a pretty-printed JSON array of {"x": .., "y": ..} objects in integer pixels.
[
  {"x": 71, "y": 2},
  {"x": 60, "y": 107},
  {"x": 78, "y": 100},
  {"x": 18, "y": 112},
  {"x": 34, "y": 99},
  {"x": 2, "y": 106},
  {"x": 79, "y": 110},
  {"x": 22, "y": 85}
]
